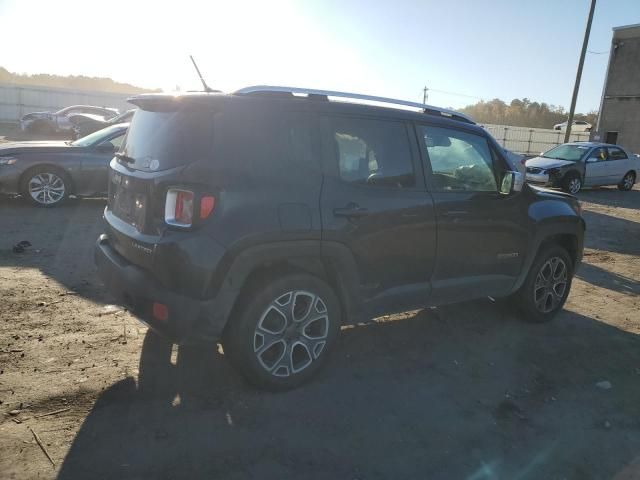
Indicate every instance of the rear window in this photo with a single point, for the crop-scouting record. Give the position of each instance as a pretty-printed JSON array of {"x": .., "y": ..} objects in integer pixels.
[
  {"x": 159, "y": 140},
  {"x": 616, "y": 154}
]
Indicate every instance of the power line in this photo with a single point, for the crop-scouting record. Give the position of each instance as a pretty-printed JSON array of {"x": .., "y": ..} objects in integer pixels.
[
  {"x": 425, "y": 95},
  {"x": 454, "y": 93},
  {"x": 597, "y": 53}
]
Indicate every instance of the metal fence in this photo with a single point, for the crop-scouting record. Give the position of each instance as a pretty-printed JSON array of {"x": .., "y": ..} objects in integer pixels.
[
  {"x": 531, "y": 141},
  {"x": 17, "y": 100}
]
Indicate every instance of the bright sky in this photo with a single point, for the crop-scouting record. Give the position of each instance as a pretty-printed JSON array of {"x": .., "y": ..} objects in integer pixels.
[{"x": 481, "y": 48}]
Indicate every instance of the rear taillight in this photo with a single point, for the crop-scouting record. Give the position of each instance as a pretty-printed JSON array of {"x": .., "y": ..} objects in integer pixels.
[
  {"x": 180, "y": 204},
  {"x": 178, "y": 208},
  {"x": 207, "y": 204}
]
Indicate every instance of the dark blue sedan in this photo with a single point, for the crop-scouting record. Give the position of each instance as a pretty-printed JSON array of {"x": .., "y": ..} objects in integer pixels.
[{"x": 47, "y": 172}]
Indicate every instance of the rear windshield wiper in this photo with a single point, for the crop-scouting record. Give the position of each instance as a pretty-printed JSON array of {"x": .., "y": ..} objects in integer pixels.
[{"x": 125, "y": 158}]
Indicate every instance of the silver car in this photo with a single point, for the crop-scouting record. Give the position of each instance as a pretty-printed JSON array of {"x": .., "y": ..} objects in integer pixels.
[
  {"x": 61, "y": 121},
  {"x": 571, "y": 166}
]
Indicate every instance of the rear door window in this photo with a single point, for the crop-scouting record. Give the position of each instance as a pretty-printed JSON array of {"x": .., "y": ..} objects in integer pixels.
[
  {"x": 373, "y": 152},
  {"x": 616, "y": 154}
]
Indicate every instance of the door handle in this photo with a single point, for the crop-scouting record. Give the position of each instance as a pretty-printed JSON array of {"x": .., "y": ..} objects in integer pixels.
[{"x": 351, "y": 210}]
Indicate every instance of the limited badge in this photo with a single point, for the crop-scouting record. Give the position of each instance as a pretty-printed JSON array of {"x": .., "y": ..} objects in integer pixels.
[{"x": 154, "y": 164}]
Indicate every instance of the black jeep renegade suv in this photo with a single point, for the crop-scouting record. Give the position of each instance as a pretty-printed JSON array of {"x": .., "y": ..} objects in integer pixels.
[{"x": 268, "y": 220}]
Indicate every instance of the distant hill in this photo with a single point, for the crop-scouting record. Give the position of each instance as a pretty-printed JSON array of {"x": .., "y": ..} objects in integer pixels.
[{"x": 79, "y": 82}]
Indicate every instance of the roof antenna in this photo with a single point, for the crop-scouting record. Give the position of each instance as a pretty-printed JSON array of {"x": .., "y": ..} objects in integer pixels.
[{"x": 206, "y": 87}]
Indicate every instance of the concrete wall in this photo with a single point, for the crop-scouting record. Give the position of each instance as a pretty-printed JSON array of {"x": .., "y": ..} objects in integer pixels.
[
  {"x": 620, "y": 108},
  {"x": 16, "y": 101}
]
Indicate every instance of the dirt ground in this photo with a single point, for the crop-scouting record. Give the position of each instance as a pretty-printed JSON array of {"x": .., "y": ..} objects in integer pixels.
[{"x": 466, "y": 391}]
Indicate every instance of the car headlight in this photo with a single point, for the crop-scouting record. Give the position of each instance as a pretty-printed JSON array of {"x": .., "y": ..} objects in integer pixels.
[{"x": 8, "y": 160}]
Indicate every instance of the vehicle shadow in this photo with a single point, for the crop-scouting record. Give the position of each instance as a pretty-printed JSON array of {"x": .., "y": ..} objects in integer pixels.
[
  {"x": 612, "y": 197},
  {"x": 61, "y": 238},
  {"x": 600, "y": 277},
  {"x": 614, "y": 234},
  {"x": 465, "y": 391}
]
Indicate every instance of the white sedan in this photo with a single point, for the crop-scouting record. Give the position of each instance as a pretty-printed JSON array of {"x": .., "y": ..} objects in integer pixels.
[{"x": 578, "y": 126}]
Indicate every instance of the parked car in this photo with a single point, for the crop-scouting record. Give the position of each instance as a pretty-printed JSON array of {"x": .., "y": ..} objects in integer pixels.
[
  {"x": 60, "y": 121},
  {"x": 83, "y": 125},
  {"x": 571, "y": 166},
  {"x": 268, "y": 220},
  {"x": 47, "y": 172},
  {"x": 577, "y": 126}
]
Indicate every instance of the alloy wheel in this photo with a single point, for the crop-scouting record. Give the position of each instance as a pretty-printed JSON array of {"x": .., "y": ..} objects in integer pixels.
[
  {"x": 550, "y": 285},
  {"x": 46, "y": 188},
  {"x": 292, "y": 333},
  {"x": 628, "y": 181},
  {"x": 574, "y": 185}
]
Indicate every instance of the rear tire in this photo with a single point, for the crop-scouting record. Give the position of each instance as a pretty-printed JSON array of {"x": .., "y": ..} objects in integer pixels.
[
  {"x": 572, "y": 183},
  {"x": 284, "y": 331},
  {"x": 547, "y": 286},
  {"x": 45, "y": 186},
  {"x": 627, "y": 182}
]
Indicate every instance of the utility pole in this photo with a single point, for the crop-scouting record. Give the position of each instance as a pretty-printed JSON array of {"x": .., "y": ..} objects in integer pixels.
[
  {"x": 576, "y": 87},
  {"x": 425, "y": 96}
]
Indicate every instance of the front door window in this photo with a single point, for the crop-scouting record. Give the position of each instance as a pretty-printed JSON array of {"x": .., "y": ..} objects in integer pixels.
[{"x": 460, "y": 161}]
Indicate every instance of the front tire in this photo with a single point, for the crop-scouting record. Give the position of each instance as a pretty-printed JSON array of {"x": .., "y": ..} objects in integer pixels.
[
  {"x": 284, "y": 331},
  {"x": 572, "y": 183},
  {"x": 627, "y": 182},
  {"x": 45, "y": 186},
  {"x": 547, "y": 285}
]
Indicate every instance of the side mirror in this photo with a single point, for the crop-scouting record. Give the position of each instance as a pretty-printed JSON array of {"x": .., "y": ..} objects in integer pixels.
[
  {"x": 107, "y": 147},
  {"x": 592, "y": 160},
  {"x": 512, "y": 182}
]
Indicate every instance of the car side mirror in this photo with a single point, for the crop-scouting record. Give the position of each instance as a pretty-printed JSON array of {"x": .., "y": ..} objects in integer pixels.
[
  {"x": 106, "y": 147},
  {"x": 592, "y": 160},
  {"x": 512, "y": 182}
]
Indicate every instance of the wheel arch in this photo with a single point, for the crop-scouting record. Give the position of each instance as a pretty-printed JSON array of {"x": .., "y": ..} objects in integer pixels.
[
  {"x": 573, "y": 171},
  {"x": 331, "y": 262},
  {"x": 568, "y": 236},
  {"x": 567, "y": 241}
]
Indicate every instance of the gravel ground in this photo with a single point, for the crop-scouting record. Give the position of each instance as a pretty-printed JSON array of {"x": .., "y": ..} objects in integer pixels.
[{"x": 466, "y": 391}]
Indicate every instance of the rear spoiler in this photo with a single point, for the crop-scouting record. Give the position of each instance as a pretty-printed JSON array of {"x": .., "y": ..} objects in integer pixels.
[{"x": 165, "y": 102}]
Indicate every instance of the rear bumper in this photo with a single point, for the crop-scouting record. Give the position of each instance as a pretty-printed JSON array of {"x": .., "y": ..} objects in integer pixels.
[{"x": 188, "y": 318}]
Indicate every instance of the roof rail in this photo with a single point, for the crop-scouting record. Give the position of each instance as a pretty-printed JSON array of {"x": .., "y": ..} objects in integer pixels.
[{"x": 428, "y": 109}]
